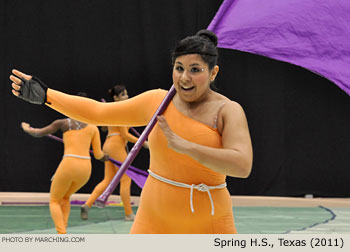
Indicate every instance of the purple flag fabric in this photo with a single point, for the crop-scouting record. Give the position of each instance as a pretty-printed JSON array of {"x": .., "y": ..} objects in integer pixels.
[
  {"x": 314, "y": 34},
  {"x": 137, "y": 175}
]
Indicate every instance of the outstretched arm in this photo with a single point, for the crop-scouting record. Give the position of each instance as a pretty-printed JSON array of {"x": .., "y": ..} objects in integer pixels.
[
  {"x": 136, "y": 111},
  {"x": 40, "y": 132},
  {"x": 236, "y": 155}
]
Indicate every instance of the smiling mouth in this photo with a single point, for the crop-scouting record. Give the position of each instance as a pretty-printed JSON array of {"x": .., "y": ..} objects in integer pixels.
[{"x": 187, "y": 88}]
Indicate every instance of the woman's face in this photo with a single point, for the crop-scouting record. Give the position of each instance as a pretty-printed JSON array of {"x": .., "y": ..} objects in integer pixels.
[
  {"x": 192, "y": 77},
  {"x": 122, "y": 96}
]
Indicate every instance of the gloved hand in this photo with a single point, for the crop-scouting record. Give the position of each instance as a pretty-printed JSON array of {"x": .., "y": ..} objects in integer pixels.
[
  {"x": 28, "y": 88},
  {"x": 33, "y": 90}
]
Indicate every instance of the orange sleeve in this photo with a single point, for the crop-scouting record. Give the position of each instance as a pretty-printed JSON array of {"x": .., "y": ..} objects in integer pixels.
[
  {"x": 136, "y": 111},
  {"x": 96, "y": 144},
  {"x": 124, "y": 132}
]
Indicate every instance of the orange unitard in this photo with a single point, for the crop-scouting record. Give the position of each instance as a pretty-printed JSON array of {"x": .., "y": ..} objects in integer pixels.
[
  {"x": 72, "y": 172},
  {"x": 163, "y": 208},
  {"x": 114, "y": 146}
]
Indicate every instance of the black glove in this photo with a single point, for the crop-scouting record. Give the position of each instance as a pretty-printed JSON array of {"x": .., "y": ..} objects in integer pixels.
[{"x": 33, "y": 90}]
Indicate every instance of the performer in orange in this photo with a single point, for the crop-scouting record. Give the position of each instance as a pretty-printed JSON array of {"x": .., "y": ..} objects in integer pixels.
[
  {"x": 114, "y": 146},
  {"x": 75, "y": 168},
  {"x": 201, "y": 138}
]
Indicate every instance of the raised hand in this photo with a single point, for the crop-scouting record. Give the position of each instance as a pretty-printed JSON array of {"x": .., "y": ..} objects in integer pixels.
[{"x": 28, "y": 88}]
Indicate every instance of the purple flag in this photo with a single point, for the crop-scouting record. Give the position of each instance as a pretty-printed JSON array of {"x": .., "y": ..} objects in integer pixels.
[{"x": 314, "y": 34}]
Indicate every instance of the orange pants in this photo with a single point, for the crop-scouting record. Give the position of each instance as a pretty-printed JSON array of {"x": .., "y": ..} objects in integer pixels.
[{"x": 72, "y": 173}]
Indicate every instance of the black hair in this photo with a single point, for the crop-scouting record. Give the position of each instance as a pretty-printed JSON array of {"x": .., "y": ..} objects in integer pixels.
[
  {"x": 83, "y": 94},
  {"x": 116, "y": 90},
  {"x": 203, "y": 43}
]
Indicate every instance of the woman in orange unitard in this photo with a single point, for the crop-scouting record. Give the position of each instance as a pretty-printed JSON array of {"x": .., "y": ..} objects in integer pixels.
[
  {"x": 75, "y": 168},
  {"x": 201, "y": 138},
  {"x": 114, "y": 146}
]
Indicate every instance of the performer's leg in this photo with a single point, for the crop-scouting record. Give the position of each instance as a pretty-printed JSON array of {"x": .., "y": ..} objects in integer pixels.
[
  {"x": 70, "y": 176},
  {"x": 65, "y": 203},
  {"x": 65, "y": 206},
  {"x": 110, "y": 171},
  {"x": 59, "y": 188},
  {"x": 125, "y": 184}
]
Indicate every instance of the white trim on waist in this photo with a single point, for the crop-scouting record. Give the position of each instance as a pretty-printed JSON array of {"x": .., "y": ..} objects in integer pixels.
[
  {"x": 76, "y": 156},
  {"x": 113, "y": 134},
  {"x": 200, "y": 187}
]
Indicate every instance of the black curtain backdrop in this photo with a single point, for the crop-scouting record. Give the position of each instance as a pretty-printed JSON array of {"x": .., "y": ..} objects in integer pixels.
[{"x": 298, "y": 120}]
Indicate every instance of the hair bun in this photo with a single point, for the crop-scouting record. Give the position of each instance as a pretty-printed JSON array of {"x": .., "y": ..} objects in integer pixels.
[{"x": 208, "y": 35}]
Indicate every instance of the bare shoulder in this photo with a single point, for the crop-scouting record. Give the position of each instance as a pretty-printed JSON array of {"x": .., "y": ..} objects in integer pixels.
[
  {"x": 229, "y": 105},
  {"x": 234, "y": 114},
  {"x": 62, "y": 124},
  {"x": 231, "y": 113},
  {"x": 233, "y": 117},
  {"x": 234, "y": 106}
]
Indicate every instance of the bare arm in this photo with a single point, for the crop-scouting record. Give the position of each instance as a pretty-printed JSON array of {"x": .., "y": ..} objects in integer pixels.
[
  {"x": 40, "y": 132},
  {"x": 234, "y": 159}
]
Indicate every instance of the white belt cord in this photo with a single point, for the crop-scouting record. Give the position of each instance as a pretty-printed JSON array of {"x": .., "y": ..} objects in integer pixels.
[
  {"x": 113, "y": 134},
  {"x": 76, "y": 156},
  {"x": 200, "y": 187}
]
